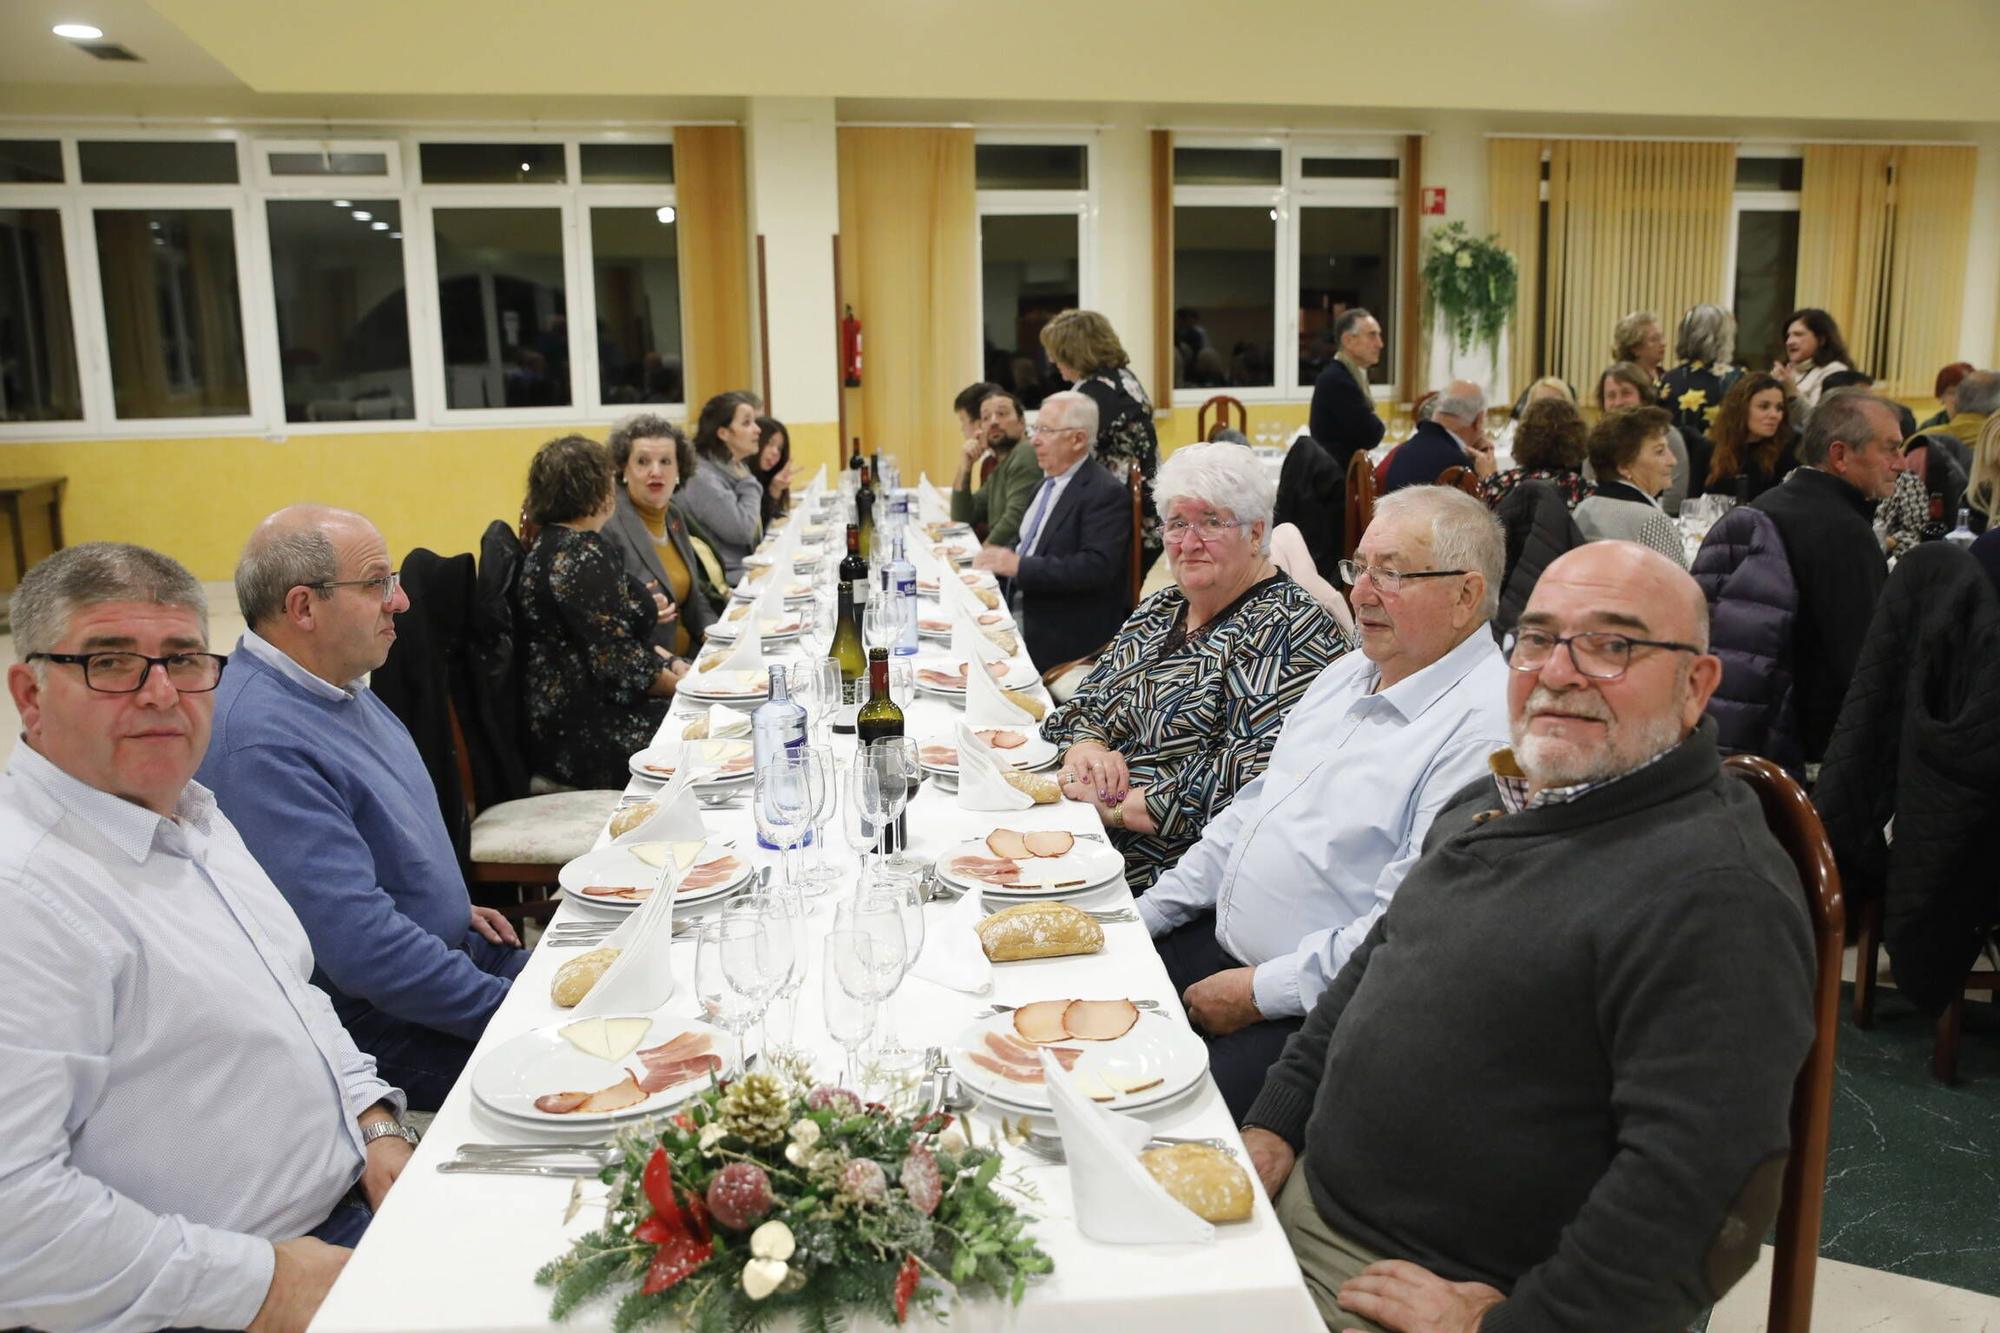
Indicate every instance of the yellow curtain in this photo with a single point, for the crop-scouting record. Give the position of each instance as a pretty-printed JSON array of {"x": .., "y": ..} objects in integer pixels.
[
  {"x": 1164, "y": 355},
  {"x": 712, "y": 203},
  {"x": 1633, "y": 225},
  {"x": 1514, "y": 214},
  {"x": 1844, "y": 240},
  {"x": 908, "y": 265},
  {"x": 132, "y": 314},
  {"x": 1933, "y": 230}
]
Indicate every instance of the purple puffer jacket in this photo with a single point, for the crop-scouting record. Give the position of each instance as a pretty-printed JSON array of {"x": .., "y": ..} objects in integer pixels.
[{"x": 1752, "y": 603}]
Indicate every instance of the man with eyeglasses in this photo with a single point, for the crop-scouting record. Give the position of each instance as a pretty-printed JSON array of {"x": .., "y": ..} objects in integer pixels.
[
  {"x": 1259, "y": 916},
  {"x": 334, "y": 800},
  {"x": 1551, "y": 1089},
  {"x": 189, "y": 1138}
]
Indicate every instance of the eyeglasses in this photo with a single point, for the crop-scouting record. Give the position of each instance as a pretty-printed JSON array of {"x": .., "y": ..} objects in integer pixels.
[
  {"x": 1039, "y": 429},
  {"x": 1598, "y": 654},
  {"x": 388, "y": 584},
  {"x": 1209, "y": 527},
  {"x": 127, "y": 673},
  {"x": 1389, "y": 580}
]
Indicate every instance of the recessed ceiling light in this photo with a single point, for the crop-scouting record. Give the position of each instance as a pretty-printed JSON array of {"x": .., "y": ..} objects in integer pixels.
[
  {"x": 395, "y": 235},
  {"x": 526, "y": 167},
  {"x": 77, "y": 32},
  {"x": 343, "y": 203},
  {"x": 665, "y": 214},
  {"x": 378, "y": 226},
  {"x": 363, "y": 215}
]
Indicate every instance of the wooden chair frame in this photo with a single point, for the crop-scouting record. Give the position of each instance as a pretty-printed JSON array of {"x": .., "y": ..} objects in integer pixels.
[
  {"x": 1223, "y": 405},
  {"x": 1360, "y": 501}
]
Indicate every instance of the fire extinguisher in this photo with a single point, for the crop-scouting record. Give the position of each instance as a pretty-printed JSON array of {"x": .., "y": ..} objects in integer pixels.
[{"x": 850, "y": 349}]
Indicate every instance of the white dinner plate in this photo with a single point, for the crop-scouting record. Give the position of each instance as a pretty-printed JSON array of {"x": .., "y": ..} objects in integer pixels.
[
  {"x": 724, "y": 687},
  {"x": 972, "y": 578},
  {"x": 1093, "y": 863},
  {"x": 770, "y": 631},
  {"x": 1034, "y": 755},
  {"x": 536, "y": 1063},
  {"x": 1156, "y": 1047},
  {"x": 1020, "y": 675},
  {"x": 796, "y": 591},
  {"x": 617, "y": 867},
  {"x": 938, "y": 627},
  {"x": 659, "y": 762}
]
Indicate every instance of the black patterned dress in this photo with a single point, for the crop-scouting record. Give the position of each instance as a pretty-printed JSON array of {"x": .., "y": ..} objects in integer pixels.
[
  {"x": 1126, "y": 439},
  {"x": 582, "y": 629},
  {"x": 1196, "y": 715},
  {"x": 1693, "y": 391}
]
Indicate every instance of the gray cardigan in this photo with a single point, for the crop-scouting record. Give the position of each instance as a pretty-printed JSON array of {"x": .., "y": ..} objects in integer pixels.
[
  {"x": 1622, "y": 513},
  {"x": 730, "y": 509},
  {"x": 628, "y": 536}
]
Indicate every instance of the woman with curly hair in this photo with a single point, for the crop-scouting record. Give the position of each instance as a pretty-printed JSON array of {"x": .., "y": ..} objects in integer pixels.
[
  {"x": 1548, "y": 446},
  {"x": 652, "y": 460},
  {"x": 1755, "y": 445},
  {"x": 1085, "y": 350}
]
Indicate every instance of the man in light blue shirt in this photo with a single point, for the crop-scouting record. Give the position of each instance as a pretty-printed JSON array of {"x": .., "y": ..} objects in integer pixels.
[
  {"x": 1258, "y": 917},
  {"x": 190, "y": 1137}
]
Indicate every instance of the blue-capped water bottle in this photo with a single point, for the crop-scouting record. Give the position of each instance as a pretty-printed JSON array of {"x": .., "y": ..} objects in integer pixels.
[
  {"x": 777, "y": 726},
  {"x": 901, "y": 577}
]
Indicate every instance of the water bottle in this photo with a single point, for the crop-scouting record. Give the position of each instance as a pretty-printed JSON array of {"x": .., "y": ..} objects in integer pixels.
[
  {"x": 900, "y": 578},
  {"x": 1962, "y": 536},
  {"x": 778, "y": 725}
]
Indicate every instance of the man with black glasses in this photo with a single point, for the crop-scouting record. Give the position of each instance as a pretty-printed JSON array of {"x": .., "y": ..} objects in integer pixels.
[
  {"x": 189, "y": 1137},
  {"x": 1550, "y": 1089},
  {"x": 334, "y": 800}
]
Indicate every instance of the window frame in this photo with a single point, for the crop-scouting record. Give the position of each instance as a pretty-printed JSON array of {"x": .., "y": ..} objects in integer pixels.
[
  {"x": 1753, "y": 201},
  {"x": 1039, "y": 203}
]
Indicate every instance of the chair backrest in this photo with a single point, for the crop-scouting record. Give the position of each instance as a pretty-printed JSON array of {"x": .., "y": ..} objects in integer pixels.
[
  {"x": 1135, "y": 486},
  {"x": 1360, "y": 501},
  {"x": 1795, "y": 824},
  {"x": 1460, "y": 476},
  {"x": 1222, "y": 405}
]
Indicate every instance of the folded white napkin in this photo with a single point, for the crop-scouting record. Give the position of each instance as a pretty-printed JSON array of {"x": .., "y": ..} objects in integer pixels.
[
  {"x": 726, "y": 723},
  {"x": 985, "y": 704},
  {"x": 676, "y": 815},
  {"x": 748, "y": 652},
  {"x": 933, "y": 506},
  {"x": 980, "y": 784},
  {"x": 641, "y": 978},
  {"x": 970, "y": 642},
  {"x": 929, "y": 568},
  {"x": 1117, "y": 1200},
  {"x": 952, "y": 954},
  {"x": 817, "y": 486}
]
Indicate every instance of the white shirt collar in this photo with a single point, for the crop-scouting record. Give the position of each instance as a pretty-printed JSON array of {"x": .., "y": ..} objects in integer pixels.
[
  {"x": 128, "y": 826},
  {"x": 282, "y": 662}
]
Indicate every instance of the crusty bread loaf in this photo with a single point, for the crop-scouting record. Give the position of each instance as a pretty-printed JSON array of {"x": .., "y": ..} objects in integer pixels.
[
  {"x": 1027, "y": 703},
  {"x": 574, "y": 979},
  {"x": 1210, "y": 1184},
  {"x": 1038, "y": 785},
  {"x": 628, "y": 817},
  {"x": 696, "y": 730},
  {"x": 988, "y": 598},
  {"x": 1004, "y": 640},
  {"x": 1039, "y": 930}
]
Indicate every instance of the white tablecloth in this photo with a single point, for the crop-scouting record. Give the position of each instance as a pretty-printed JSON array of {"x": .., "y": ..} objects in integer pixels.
[{"x": 459, "y": 1252}]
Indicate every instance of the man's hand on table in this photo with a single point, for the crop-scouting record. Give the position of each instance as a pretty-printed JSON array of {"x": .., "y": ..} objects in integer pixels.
[
  {"x": 1224, "y": 1002},
  {"x": 387, "y": 1156},
  {"x": 300, "y": 1278},
  {"x": 494, "y": 926},
  {"x": 1270, "y": 1157},
  {"x": 1408, "y": 1298},
  {"x": 1001, "y": 560}
]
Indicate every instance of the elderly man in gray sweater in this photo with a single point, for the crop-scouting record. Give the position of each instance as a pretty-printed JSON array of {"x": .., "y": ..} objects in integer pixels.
[{"x": 1550, "y": 1089}]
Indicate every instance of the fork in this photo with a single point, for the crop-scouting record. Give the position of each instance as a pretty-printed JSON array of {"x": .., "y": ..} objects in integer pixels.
[{"x": 1049, "y": 1147}]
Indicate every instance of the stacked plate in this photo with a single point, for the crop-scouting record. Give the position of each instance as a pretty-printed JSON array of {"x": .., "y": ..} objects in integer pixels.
[
  {"x": 1158, "y": 1060},
  {"x": 719, "y": 765},
  {"x": 1030, "y": 755},
  {"x": 947, "y": 674},
  {"x": 749, "y": 590},
  {"x": 972, "y": 578},
  {"x": 620, "y": 878},
  {"x": 770, "y": 631},
  {"x": 724, "y": 687},
  {"x": 938, "y": 625},
  {"x": 1088, "y": 865},
  {"x": 508, "y": 1080}
]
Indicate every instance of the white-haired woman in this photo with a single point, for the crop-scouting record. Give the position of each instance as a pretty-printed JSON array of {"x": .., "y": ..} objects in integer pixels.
[
  {"x": 1183, "y": 709},
  {"x": 1693, "y": 390}
]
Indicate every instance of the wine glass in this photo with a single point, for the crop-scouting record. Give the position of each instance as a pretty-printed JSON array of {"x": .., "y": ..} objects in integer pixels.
[
  {"x": 847, "y": 993},
  {"x": 880, "y": 622},
  {"x": 721, "y": 1003},
  {"x": 880, "y": 918},
  {"x": 906, "y": 889},
  {"x": 760, "y": 965},
  {"x": 895, "y": 761},
  {"x": 823, "y": 778},
  {"x": 902, "y": 681},
  {"x": 816, "y": 684},
  {"x": 871, "y": 807},
  {"x": 783, "y": 804}
]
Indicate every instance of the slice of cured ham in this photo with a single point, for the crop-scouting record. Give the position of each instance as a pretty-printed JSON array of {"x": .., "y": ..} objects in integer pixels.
[
  {"x": 1001, "y": 739},
  {"x": 1041, "y": 1023},
  {"x": 711, "y": 873},
  {"x": 995, "y": 871},
  {"x": 631, "y": 893},
  {"x": 686, "y": 1046},
  {"x": 1014, "y": 1073},
  {"x": 1007, "y": 844},
  {"x": 626, "y": 1092},
  {"x": 1049, "y": 842},
  {"x": 948, "y": 679},
  {"x": 1020, "y": 1053},
  {"x": 939, "y": 756},
  {"x": 660, "y": 1077},
  {"x": 1099, "y": 1020}
]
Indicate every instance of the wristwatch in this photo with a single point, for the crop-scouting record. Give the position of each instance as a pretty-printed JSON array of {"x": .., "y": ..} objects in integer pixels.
[{"x": 383, "y": 1129}]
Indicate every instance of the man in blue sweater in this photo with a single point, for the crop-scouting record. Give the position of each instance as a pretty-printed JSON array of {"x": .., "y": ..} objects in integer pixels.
[{"x": 332, "y": 798}]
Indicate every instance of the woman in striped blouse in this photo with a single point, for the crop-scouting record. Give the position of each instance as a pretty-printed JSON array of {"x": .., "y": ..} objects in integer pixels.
[{"x": 1183, "y": 708}]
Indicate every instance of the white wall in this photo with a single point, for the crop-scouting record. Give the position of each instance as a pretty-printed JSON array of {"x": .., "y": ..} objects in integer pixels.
[{"x": 794, "y": 187}]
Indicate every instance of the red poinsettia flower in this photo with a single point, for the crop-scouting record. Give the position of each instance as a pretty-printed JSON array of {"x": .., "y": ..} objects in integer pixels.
[
  {"x": 679, "y": 1229},
  {"x": 906, "y": 1283}
]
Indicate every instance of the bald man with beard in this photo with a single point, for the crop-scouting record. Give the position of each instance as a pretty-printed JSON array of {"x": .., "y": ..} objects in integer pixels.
[{"x": 1550, "y": 1089}]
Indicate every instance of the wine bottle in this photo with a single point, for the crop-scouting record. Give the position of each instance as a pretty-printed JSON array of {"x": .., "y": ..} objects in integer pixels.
[
  {"x": 881, "y": 719},
  {"x": 847, "y": 651},
  {"x": 853, "y": 569},
  {"x": 854, "y": 459},
  {"x": 777, "y": 726},
  {"x": 1934, "y": 529},
  {"x": 864, "y": 516}
]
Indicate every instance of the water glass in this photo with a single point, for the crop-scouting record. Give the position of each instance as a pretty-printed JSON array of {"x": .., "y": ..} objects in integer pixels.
[
  {"x": 823, "y": 777},
  {"x": 880, "y": 918},
  {"x": 847, "y": 994},
  {"x": 763, "y": 965},
  {"x": 783, "y": 803},
  {"x": 894, "y": 759},
  {"x": 872, "y": 806},
  {"x": 816, "y": 687},
  {"x": 881, "y": 622},
  {"x": 721, "y": 1003}
]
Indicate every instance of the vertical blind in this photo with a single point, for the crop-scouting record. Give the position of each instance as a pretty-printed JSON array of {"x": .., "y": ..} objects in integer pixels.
[
  {"x": 1514, "y": 214},
  {"x": 713, "y": 210}
]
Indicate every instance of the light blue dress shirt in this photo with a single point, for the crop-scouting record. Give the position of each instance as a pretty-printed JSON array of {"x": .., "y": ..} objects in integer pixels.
[
  {"x": 1309, "y": 853},
  {"x": 178, "y": 1095}
]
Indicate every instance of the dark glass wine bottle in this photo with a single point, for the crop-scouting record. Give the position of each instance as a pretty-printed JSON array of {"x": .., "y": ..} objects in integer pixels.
[
  {"x": 864, "y": 516},
  {"x": 847, "y": 651},
  {"x": 853, "y": 569},
  {"x": 1934, "y": 527},
  {"x": 854, "y": 459},
  {"x": 881, "y": 719}
]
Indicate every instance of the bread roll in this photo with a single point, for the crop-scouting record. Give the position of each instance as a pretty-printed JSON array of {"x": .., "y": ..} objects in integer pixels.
[
  {"x": 575, "y": 978},
  {"x": 1004, "y": 640},
  {"x": 987, "y": 598},
  {"x": 628, "y": 817},
  {"x": 1039, "y": 930},
  {"x": 1027, "y": 703},
  {"x": 696, "y": 730},
  {"x": 1038, "y": 785},
  {"x": 1210, "y": 1184}
]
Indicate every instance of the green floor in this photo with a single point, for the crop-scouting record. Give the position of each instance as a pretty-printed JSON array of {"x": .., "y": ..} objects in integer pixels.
[{"x": 1913, "y": 1177}]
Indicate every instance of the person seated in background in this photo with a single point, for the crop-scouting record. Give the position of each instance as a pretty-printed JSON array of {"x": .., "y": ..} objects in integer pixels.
[
  {"x": 1849, "y": 457},
  {"x": 193, "y": 1139},
  {"x": 996, "y": 509},
  {"x": 1069, "y": 584},
  {"x": 1754, "y": 443},
  {"x": 653, "y": 460},
  {"x": 1982, "y": 488},
  {"x": 332, "y": 798},
  {"x": 773, "y": 467},
  {"x": 1552, "y": 1087},
  {"x": 1693, "y": 390},
  {"x": 1548, "y": 446},
  {"x": 1343, "y": 420},
  {"x": 593, "y": 684},
  {"x": 1261, "y": 914},
  {"x": 724, "y": 496},
  {"x": 1629, "y": 454},
  {"x": 1548, "y": 386},
  {"x": 1623, "y": 385},
  {"x": 1183, "y": 708},
  {"x": 1814, "y": 349},
  {"x": 1945, "y": 389},
  {"x": 1974, "y": 400},
  {"x": 1639, "y": 341},
  {"x": 1453, "y": 436}
]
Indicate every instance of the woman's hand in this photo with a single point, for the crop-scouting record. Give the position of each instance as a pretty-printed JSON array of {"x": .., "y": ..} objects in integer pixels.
[
  {"x": 781, "y": 481},
  {"x": 1782, "y": 372},
  {"x": 1102, "y": 770}
]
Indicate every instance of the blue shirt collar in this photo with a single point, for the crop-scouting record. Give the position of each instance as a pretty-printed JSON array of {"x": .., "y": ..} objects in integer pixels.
[
  {"x": 281, "y": 662},
  {"x": 129, "y": 827},
  {"x": 1414, "y": 694}
]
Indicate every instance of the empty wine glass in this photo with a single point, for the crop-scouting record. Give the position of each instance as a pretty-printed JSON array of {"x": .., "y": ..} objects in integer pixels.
[
  {"x": 878, "y": 916},
  {"x": 872, "y": 806},
  {"x": 894, "y": 759},
  {"x": 906, "y": 889},
  {"x": 816, "y": 686},
  {"x": 847, "y": 993},
  {"x": 761, "y": 965},
  {"x": 783, "y": 804},
  {"x": 721, "y": 1003},
  {"x": 881, "y": 622},
  {"x": 824, "y": 779}
]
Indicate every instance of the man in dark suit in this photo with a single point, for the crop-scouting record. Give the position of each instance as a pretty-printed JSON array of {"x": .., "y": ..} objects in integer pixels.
[
  {"x": 1455, "y": 436},
  {"x": 1343, "y": 420},
  {"x": 1071, "y": 590}
]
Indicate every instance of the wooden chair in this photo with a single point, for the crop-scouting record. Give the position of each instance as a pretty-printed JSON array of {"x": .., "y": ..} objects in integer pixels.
[
  {"x": 1462, "y": 477},
  {"x": 1360, "y": 501},
  {"x": 1223, "y": 405},
  {"x": 1950, "y": 1023},
  {"x": 1795, "y": 1251},
  {"x": 1135, "y": 486}
]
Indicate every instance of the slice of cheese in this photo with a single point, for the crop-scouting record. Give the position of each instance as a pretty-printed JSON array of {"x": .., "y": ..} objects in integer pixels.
[
  {"x": 607, "y": 1038},
  {"x": 716, "y": 752},
  {"x": 654, "y": 854},
  {"x": 1093, "y": 1087}
]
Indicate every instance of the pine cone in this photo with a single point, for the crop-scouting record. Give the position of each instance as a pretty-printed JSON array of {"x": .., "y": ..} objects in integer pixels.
[{"x": 755, "y": 1109}]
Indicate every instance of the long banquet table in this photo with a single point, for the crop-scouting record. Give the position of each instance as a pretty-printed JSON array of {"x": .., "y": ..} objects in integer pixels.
[{"x": 458, "y": 1252}]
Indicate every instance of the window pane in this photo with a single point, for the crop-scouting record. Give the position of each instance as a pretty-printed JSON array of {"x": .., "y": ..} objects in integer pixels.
[
  {"x": 501, "y": 307},
  {"x": 1767, "y": 267},
  {"x": 627, "y": 163},
  {"x": 1223, "y": 316},
  {"x": 157, "y": 162},
  {"x": 1350, "y": 168},
  {"x": 1031, "y": 166},
  {"x": 343, "y": 313},
  {"x": 172, "y": 311},
  {"x": 1347, "y": 258},
  {"x": 1028, "y": 271},
  {"x": 1770, "y": 173},
  {"x": 1227, "y": 166},
  {"x": 635, "y": 265},
  {"x": 492, "y": 163},
  {"x": 31, "y": 161},
  {"x": 328, "y": 164},
  {"x": 37, "y": 340}
]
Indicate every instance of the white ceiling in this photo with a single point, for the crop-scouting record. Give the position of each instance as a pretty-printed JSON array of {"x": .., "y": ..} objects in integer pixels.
[{"x": 31, "y": 54}]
